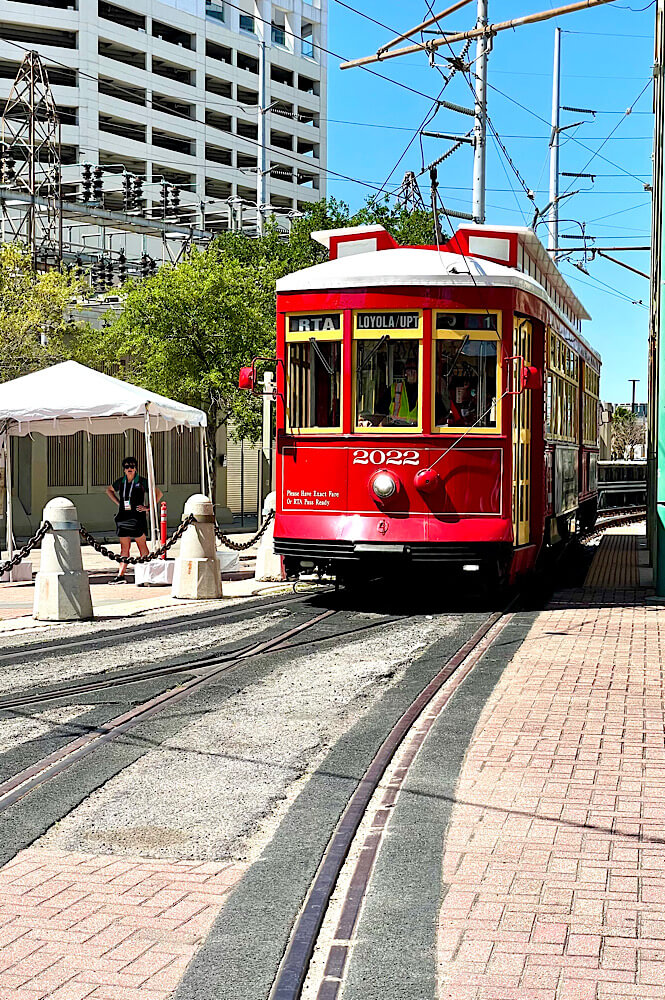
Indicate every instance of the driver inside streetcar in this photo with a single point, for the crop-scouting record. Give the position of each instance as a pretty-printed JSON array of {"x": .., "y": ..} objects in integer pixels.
[{"x": 399, "y": 403}]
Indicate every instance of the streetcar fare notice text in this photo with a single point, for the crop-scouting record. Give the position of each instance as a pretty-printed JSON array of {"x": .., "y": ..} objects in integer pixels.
[{"x": 310, "y": 498}]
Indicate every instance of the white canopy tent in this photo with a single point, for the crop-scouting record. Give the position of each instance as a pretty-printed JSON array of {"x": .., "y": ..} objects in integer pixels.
[{"x": 70, "y": 397}]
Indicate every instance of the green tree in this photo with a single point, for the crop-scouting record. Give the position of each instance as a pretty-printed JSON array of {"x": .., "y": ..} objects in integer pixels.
[
  {"x": 36, "y": 313},
  {"x": 186, "y": 331},
  {"x": 298, "y": 249}
]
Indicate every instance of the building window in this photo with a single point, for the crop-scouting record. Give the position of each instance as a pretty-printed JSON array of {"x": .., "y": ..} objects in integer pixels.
[
  {"x": 307, "y": 40},
  {"x": 277, "y": 34},
  {"x": 247, "y": 23},
  {"x": 215, "y": 10}
]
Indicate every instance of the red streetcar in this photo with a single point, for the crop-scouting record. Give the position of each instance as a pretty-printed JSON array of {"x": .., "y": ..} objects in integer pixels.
[{"x": 434, "y": 406}]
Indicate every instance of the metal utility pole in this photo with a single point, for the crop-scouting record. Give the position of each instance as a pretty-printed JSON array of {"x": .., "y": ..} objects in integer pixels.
[
  {"x": 634, "y": 382},
  {"x": 656, "y": 394},
  {"x": 480, "y": 126},
  {"x": 553, "y": 222},
  {"x": 265, "y": 454},
  {"x": 31, "y": 161},
  {"x": 263, "y": 110}
]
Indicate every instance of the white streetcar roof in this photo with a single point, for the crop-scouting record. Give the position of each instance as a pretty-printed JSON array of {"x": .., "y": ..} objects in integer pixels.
[{"x": 480, "y": 256}]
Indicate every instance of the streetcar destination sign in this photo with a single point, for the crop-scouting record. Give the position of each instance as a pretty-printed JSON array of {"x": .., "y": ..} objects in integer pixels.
[
  {"x": 465, "y": 321},
  {"x": 321, "y": 323},
  {"x": 388, "y": 321}
]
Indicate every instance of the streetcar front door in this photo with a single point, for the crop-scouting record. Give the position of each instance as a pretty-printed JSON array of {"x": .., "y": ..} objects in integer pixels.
[{"x": 522, "y": 347}]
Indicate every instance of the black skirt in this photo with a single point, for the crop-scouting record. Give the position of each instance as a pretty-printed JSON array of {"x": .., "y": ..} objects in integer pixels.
[{"x": 131, "y": 524}]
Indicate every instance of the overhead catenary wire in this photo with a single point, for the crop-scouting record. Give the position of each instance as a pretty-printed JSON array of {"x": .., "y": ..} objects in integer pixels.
[
  {"x": 572, "y": 138},
  {"x": 618, "y": 124}
]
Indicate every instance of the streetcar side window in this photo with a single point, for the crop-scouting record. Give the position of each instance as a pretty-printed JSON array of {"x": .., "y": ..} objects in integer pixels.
[
  {"x": 387, "y": 382},
  {"x": 314, "y": 373},
  {"x": 466, "y": 356}
]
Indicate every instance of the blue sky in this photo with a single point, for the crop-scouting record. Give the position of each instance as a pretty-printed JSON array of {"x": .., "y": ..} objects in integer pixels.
[{"x": 607, "y": 56}]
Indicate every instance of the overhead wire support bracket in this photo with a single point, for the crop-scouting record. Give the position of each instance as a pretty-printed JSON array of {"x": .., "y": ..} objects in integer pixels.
[
  {"x": 440, "y": 159},
  {"x": 486, "y": 31},
  {"x": 452, "y": 138},
  {"x": 424, "y": 24},
  {"x": 457, "y": 107},
  {"x": 452, "y": 213},
  {"x": 579, "y": 111}
]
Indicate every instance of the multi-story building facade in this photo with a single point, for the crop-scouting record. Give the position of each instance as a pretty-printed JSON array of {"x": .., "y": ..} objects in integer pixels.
[{"x": 201, "y": 94}]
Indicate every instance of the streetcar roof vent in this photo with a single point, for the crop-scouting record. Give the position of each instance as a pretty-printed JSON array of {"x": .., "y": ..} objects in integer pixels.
[{"x": 353, "y": 240}]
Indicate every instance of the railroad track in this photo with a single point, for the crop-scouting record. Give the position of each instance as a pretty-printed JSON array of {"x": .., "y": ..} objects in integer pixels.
[
  {"x": 205, "y": 661},
  {"x": 109, "y": 637},
  {"x": 55, "y": 763},
  {"x": 208, "y": 667},
  {"x": 616, "y": 519},
  {"x": 405, "y": 738}
]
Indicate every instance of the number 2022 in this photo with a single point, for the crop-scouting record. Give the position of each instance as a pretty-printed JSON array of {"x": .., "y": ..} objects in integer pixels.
[{"x": 363, "y": 456}]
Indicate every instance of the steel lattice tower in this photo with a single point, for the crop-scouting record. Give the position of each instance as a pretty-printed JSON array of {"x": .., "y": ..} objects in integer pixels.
[
  {"x": 409, "y": 196},
  {"x": 31, "y": 165}
]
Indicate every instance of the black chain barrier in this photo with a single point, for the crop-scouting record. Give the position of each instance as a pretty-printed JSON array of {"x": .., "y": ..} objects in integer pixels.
[
  {"x": 26, "y": 549},
  {"x": 241, "y": 546},
  {"x": 133, "y": 560}
]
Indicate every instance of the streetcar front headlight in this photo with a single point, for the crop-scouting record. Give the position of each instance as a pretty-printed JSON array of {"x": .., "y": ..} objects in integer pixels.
[{"x": 383, "y": 485}]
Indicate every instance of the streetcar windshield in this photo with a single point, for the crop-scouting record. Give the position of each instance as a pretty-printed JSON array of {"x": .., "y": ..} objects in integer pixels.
[
  {"x": 314, "y": 383},
  {"x": 466, "y": 386},
  {"x": 387, "y": 383}
]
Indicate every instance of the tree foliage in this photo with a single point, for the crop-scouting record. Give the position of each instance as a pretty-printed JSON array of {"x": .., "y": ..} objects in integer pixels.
[
  {"x": 185, "y": 331},
  {"x": 188, "y": 330},
  {"x": 627, "y": 432},
  {"x": 35, "y": 313}
]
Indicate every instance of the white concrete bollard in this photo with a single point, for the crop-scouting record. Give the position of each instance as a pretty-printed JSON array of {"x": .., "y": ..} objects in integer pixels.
[
  {"x": 62, "y": 587},
  {"x": 268, "y": 565},
  {"x": 196, "y": 573}
]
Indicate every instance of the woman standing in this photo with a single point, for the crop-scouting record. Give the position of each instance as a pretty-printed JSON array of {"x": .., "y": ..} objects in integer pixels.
[{"x": 130, "y": 493}]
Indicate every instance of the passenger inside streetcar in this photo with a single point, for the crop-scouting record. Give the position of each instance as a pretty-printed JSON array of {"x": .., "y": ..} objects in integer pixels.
[{"x": 465, "y": 383}]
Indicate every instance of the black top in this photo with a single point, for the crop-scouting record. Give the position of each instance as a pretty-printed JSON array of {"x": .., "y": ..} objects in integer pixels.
[{"x": 136, "y": 491}]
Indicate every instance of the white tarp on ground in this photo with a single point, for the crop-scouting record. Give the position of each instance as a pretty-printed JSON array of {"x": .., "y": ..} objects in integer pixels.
[{"x": 69, "y": 397}]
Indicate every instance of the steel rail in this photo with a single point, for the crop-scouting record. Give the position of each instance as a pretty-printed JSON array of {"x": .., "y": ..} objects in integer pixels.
[
  {"x": 107, "y": 637},
  {"x": 55, "y": 763},
  {"x": 300, "y": 948},
  {"x": 629, "y": 517},
  {"x": 193, "y": 663}
]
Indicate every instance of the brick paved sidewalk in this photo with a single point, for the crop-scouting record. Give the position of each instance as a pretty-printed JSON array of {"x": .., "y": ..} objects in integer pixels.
[
  {"x": 98, "y": 927},
  {"x": 555, "y": 856}
]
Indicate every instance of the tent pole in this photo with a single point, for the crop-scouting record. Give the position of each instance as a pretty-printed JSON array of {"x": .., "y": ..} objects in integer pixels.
[
  {"x": 204, "y": 459},
  {"x": 8, "y": 487},
  {"x": 150, "y": 464}
]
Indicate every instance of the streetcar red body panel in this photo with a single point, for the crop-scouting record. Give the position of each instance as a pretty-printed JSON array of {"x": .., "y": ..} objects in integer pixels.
[{"x": 432, "y": 405}]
